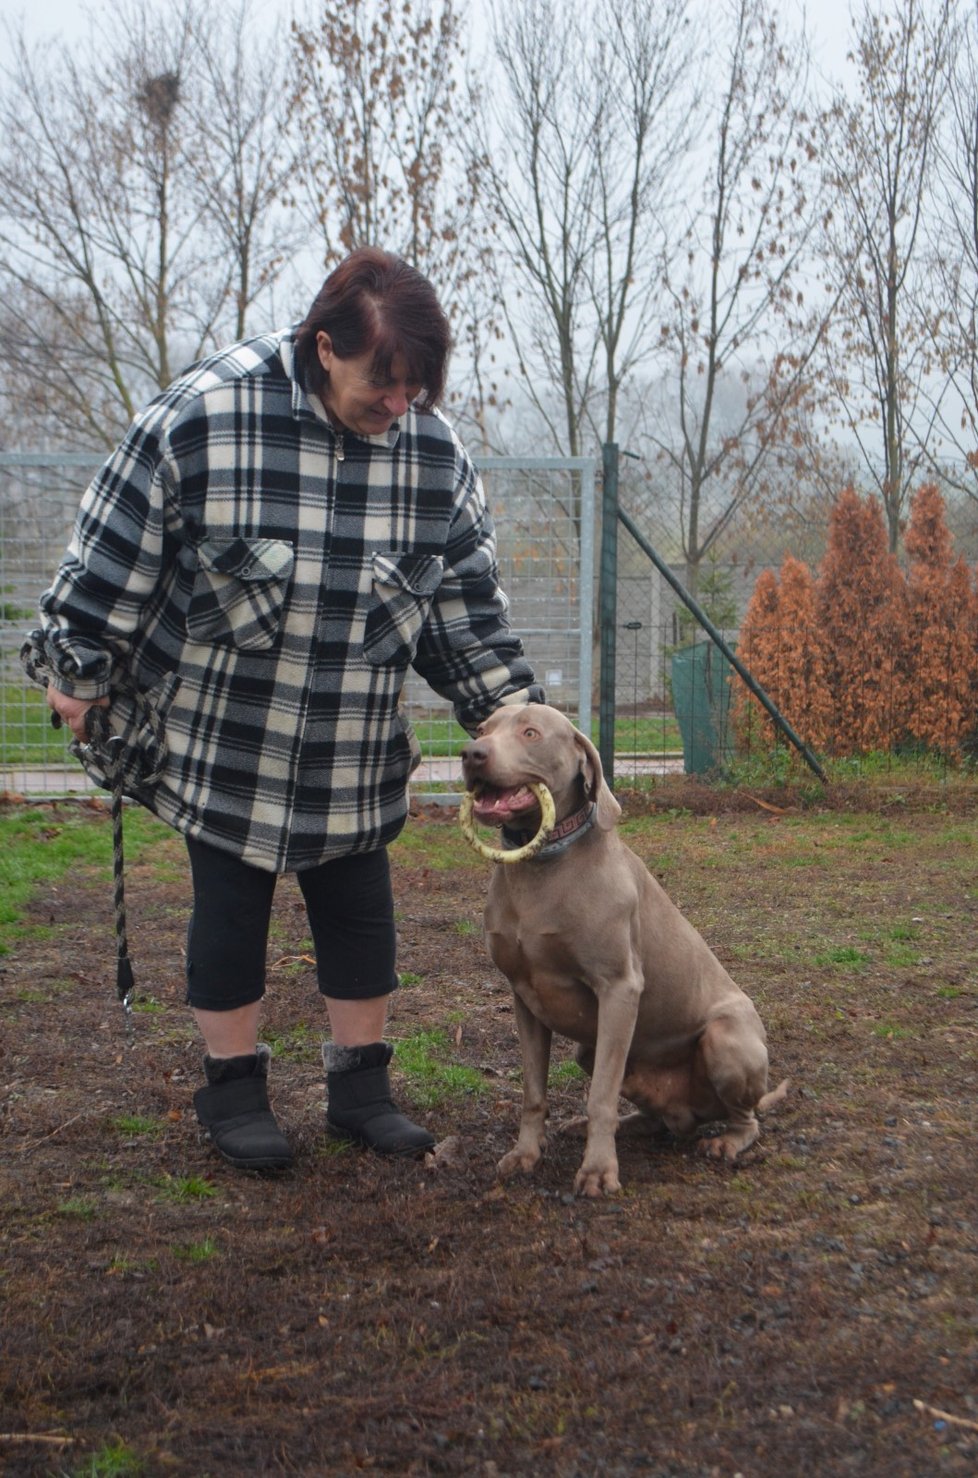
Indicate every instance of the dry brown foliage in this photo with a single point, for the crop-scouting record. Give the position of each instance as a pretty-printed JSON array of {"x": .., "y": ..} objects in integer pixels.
[{"x": 863, "y": 656}]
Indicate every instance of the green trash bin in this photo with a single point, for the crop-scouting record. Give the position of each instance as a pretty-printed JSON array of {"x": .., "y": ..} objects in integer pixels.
[{"x": 701, "y": 697}]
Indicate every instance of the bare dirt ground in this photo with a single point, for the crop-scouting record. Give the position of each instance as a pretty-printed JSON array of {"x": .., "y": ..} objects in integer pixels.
[{"x": 810, "y": 1311}]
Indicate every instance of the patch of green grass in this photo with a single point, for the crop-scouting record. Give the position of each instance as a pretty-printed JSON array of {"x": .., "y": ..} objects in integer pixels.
[
  {"x": 113, "y": 1460},
  {"x": 122, "y": 1266},
  {"x": 844, "y": 954},
  {"x": 148, "y": 1005},
  {"x": 80, "y": 1208},
  {"x": 40, "y": 844},
  {"x": 563, "y": 1074},
  {"x": 184, "y": 1188},
  {"x": 465, "y": 928},
  {"x": 197, "y": 1251},
  {"x": 136, "y": 1125},
  {"x": 892, "y": 1033},
  {"x": 29, "y": 738},
  {"x": 409, "y": 977},
  {"x": 424, "y": 1060},
  {"x": 441, "y": 847},
  {"x": 300, "y": 1043},
  {"x": 899, "y": 957}
]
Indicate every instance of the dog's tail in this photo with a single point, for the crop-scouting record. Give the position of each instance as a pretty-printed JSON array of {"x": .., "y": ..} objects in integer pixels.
[{"x": 776, "y": 1095}]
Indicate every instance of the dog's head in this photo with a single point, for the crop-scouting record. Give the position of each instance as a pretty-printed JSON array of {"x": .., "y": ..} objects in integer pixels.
[{"x": 532, "y": 742}]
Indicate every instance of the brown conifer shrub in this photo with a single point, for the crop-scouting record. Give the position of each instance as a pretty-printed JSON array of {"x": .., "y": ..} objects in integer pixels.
[
  {"x": 943, "y": 671},
  {"x": 758, "y": 647},
  {"x": 781, "y": 644},
  {"x": 861, "y": 614}
]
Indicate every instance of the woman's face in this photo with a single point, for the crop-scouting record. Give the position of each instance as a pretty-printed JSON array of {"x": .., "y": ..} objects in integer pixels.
[{"x": 354, "y": 396}]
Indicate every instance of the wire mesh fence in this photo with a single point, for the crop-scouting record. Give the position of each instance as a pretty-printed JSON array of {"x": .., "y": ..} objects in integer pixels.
[
  {"x": 544, "y": 514},
  {"x": 675, "y": 701}
]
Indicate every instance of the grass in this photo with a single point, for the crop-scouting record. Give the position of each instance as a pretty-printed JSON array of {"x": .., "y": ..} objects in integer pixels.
[
  {"x": 78, "y": 1207},
  {"x": 566, "y": 1074},
  {"x": 148, "y": 1006},
  {"x": 186, "y": 1188},
  {"x": 844, "y": 955},
  {"x": 25, "y": 725},
  {"x": 863, "y": 1046},
  {"x": 136, "y": 1126},
  {"x": 300, "y": 1043},
  {"x": 197, "y": 1252},
  {"x": 424, "y": 1059},
  {"x": 40, "y": 844},
  {"x": 113, "y": 1460}
]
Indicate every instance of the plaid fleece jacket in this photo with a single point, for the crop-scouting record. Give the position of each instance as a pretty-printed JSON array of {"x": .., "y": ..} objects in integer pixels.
[{"x": 266, "y": 583}]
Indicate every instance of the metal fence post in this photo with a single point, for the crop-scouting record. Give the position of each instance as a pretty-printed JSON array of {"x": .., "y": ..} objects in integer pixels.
[{"x": 608, "y": 608}]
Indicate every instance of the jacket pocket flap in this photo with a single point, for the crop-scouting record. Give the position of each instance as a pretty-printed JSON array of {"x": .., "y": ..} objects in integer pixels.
[
  {"x": 419, "y": 574},
  {"x": 248, "y": 559}
]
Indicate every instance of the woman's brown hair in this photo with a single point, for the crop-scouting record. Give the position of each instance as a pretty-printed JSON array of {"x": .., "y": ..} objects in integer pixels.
[{"x": 376, "y": 303}]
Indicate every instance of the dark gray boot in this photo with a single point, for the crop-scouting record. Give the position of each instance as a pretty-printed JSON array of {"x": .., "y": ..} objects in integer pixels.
[
  {"x": 359, "y": 1105},
  {"x": 234, "y": 1110}
]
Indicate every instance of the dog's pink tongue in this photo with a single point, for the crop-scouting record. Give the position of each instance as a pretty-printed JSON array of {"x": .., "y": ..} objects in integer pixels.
[{"x": 498, "y": 806}]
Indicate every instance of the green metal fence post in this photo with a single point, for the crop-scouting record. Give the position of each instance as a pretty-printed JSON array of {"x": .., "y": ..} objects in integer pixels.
[{"x": 608, "y": 608}]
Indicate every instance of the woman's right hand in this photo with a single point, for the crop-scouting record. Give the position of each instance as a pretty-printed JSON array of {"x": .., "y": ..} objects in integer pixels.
[{"x": 72, "y": 711}]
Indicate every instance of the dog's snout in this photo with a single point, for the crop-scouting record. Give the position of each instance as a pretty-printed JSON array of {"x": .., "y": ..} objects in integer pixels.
[{"x": 474, "y": 754}]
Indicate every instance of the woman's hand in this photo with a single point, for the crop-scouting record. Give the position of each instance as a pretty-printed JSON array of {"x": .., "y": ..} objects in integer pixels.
[{"x": 72, "y": 711}]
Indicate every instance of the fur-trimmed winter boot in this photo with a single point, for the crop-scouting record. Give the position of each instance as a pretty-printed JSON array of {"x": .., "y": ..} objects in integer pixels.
[
  {"x": 234, "y": 1110},
  {"x": 359, "y": 1105}
]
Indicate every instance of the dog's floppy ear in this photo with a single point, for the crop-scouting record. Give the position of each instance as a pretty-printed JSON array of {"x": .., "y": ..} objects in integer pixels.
[{"x": 594, "y": 782}]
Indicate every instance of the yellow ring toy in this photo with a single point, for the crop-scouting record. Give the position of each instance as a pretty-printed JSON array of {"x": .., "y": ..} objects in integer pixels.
[{"x": 548, "y": 816}]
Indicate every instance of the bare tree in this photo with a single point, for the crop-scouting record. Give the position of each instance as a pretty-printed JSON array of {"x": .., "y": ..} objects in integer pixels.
[
  {"x": 879, "y": 149},
  {"x": 583, "y": 130},
  {"x": 381, "y": 123},
  {"x": 245, "y": 173},
  {"x": 738, "y": 333},
  {"x": 954, "y": 265},
  {"x": 114, "y": 200}
]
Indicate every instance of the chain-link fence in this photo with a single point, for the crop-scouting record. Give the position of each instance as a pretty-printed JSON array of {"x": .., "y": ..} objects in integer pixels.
[
  {"x": 677, "y": 692},
  {"x": 673, "y": 701},
  {"x": 544, "y": 514}
]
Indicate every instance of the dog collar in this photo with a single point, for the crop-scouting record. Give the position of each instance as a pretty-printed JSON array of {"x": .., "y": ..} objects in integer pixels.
[{"x": 559, "y": 838}]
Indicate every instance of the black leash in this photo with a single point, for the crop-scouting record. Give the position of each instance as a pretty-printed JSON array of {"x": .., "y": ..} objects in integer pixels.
[
  {"x": 106, "y": 749},
  {"x": 104, "y": 756}
]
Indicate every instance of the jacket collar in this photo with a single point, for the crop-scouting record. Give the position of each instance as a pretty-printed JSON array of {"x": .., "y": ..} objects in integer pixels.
[{"x": 306, "y": 406}]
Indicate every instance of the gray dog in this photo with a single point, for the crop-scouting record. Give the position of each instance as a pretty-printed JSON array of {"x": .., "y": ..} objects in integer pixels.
[{"x": 595, "y": 950}]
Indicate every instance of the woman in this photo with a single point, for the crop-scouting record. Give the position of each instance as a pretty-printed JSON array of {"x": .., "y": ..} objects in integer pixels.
[{"x": 281, "y": 534}]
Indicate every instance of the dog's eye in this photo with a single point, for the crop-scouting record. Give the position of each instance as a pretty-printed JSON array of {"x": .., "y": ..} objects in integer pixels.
[{"x": 530, "y": 733}]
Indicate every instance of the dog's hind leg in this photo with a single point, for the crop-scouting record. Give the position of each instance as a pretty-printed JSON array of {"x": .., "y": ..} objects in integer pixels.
[{"x": 734, "y": 1061}]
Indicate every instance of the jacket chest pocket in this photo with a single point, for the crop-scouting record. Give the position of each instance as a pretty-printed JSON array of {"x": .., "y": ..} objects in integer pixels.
[
  {"x": 403, "y": 587},
  {"x": 239, "y": 591}
]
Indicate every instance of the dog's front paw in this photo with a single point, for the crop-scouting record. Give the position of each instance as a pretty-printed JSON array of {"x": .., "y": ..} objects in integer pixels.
[
  {"x": 518, "y": 1162},
  {"x": 597, "y": 1180}
]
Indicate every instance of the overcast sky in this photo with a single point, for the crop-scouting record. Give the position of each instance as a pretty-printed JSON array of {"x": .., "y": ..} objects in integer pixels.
[{"x": 828, "y": 24}]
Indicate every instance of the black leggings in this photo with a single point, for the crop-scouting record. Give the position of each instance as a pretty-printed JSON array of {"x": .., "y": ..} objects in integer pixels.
[{"x": 350, "y": 908}]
